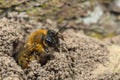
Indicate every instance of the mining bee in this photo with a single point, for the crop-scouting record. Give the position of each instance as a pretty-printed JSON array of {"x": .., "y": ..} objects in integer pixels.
[{"x": 37, "y": 47}]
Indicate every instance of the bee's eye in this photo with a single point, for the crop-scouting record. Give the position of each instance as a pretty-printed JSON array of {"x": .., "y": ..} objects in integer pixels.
[{"x": 49, "y": 41}]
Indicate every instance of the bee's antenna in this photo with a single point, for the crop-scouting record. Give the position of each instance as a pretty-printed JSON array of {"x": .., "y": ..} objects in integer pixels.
[{"x": 61, "y": 29}]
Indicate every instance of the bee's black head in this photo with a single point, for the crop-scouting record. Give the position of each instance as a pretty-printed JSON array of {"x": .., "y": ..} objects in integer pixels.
[{"x": 52, "y": 39}]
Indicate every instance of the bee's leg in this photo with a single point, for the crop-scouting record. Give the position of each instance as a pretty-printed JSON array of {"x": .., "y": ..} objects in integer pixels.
[
  {"x": 36, "y": 56},
  {"x": 46, "y": 50},
  {"x": 44, "y": 58},
  {"x": 57, "y": 49},
  {"x": 61, "y": 36}
]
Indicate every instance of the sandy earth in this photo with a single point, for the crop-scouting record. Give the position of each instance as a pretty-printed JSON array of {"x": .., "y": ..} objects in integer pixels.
[{"x": 80, "y": 57}]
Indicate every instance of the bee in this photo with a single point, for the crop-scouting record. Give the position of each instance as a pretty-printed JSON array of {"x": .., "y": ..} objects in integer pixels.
[{"x": 36, "y": 47}]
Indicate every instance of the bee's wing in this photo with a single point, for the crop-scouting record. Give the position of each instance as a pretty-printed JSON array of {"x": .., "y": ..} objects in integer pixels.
[{"x": 23, "y": 52}]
